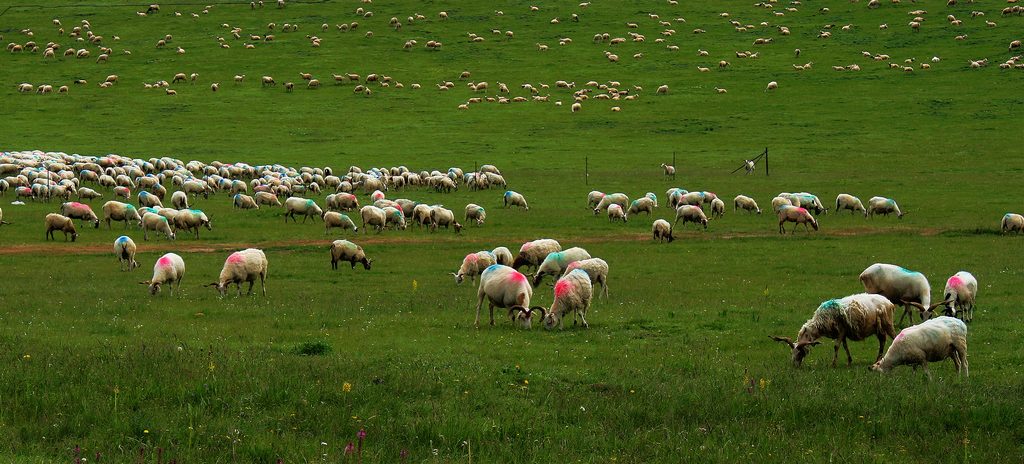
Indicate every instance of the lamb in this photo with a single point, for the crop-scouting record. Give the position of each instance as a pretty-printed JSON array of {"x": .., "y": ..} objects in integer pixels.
[
  {"x": 62, "y": 223},
  {"x": 745, "y": 202},
  {"x": 504, "y": 287},
  {"x": 930, "y": 341},
  {"x": 242, "y": 201},
  {"x": 899, "y": 284},
  {"x": 344, "y": 250},
  {"x": 179, "y": 200},
  {"x": 192, "y": 220},
  {"x": 855, "y": 317},
  {"x": 717, "y": 208},
  {"x": 475, "y": 213},
  {"x": 502, "y": 256},
  {"x": 333, "y": 219},
  {"x": 243, "y": 266},
  {"x": 690, "y": 213},
  {"x": 961, "y": 289},
  {"x": 157, "y": 223},
  {"x": 473, "y": 264},
  {"x": 883, "y": 206},
  {"x": 596, "y": 269},
  {"x": 850, "y": 202},
  {"x": 771, "y": 86},
  {"x": 124, "y": 248},
  {"x": 1012, "y": 222},
  {"x": 515, "y": 199},
  {"x": 117, "y": 211},
  {"x": 644, "y": 203},
  {"x": 373, "y": 216},
  {"x": 306, "y": 207},
  {"x": 267, "y": 198},
  {"x": 169, "y": 269},
  {"x": 556, "y": 262},
  {"x": 573, "y": 293},
  {"x": 75, "y": 210},
  {"x": 615, "y": 198},
  {"x": 662, "y": 230},
  {"x": 440, "y": 216},
  {"x": 797, "y": 216},
  {"x": 670, "y": 171},
  {"x": 615, "y": 213},
  {"x": 531, "y": 254}
]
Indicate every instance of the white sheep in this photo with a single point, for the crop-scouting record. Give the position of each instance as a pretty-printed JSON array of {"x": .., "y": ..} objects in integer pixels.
[
  {"x": 344, "y": 250},
  {"x": 642, "y": 204},
  {"x": 306, "y": 207},
  {"x": 441, "y": 216},
  {"x": 533, "y": 253},
  {"x": 900, "y": 285},
  {"x": 504, "y": 287},
  {"x": 717, "y": 208},
  {"x": 594, "y": 198},
  {"x": 745, "y": 202},
  {"x": 64, "y": 224},
  {"x": 690, "y": 213},
  {"x": 75, "y": 210},
  {"x": 334, "y": 219},
  {"x": 573, "y": 293},
  {"x": 179, "y": 200},
  {"x": 475, "y": 213},
  {"x": 930, "y": 341},
  {"x": 169, "y": 269},
  {"x": 850, "y": 202},
  {"x": 797, "y": 216},
  {"x": 615, "y": 213},
  {"x": 117, "y": 211},
  {"x": 961, "y": 290},
  {"x": 596, "y": 268},
  {"x": 267, "y": 198},
  {"x": 124, "y": 248},
  {"x": 189, "y": 220},
  {"x": 1012, "y": 222},
  {"x": 670, "y": 170},
  {"x": 502, "y": 256},
  {"x": 556, "y": 262},
  {"x": 515, "y": 199},
  {"x": 883, "y": 206},
  {"x": 242, "y": 201},
  {"x": 373, "y": 216},
  {"x": 156, "y": 223},
  {"x": 855, "y": 317},
  {"x": 243, "y": 266},
  {"x": 614, "y": 198},
  {"x": 662, "y": 230},
  {"x": 473, "y": 264}
]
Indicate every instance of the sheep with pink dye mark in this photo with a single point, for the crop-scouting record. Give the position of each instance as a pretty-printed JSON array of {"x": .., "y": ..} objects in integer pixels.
[
  {"x": 797, "y": 216},
  {"x": 169, "y": 269},
  {"x": 961, "y": 290},
  {"x": 573, "y": 293},
  {"x": 505, "y": 287},
  {"x": 596, "y": 269},
  {"x": 377, "y": 195},
  {"x": 531, "y": 254},
  {"x": 243, "y": 266},
  {"x": 474, "y": 264},
  {"x": 930, "y": 341},
  {"x": 76, "y": 210}
]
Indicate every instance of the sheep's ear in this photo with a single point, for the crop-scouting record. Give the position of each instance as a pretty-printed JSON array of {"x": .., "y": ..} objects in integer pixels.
[{"x": 786, "y": 340}]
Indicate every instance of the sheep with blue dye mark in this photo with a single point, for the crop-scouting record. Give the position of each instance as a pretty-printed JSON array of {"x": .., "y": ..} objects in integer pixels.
[
  {"x": 148, "y": 199},
  {"x": 675, "y": 197},
  {"x": 169, "y": 269},
  {"x": 930, "y": 341},
  {"x": 475, "y": 213},
  {"x": 504, "y": 287},
  {"x": 393, "y": 217},
  {"x": 642, "y": 204},
  {"x": 243, "y": 201},
  {"x": 959, "y": 295},
  {"x": 532, "y": 253},
  {"x": 611, "y": 199},
  {"x": 556, "y": 262},
  {"x": 515, "y": 199},
  {"x": 333, "y": 219},
  {"x": 302, "y": 206},
  {"x": 243, "y": 266},
  {"x": 653, "y": 198},
  {"x": 192, "y": 220},
  {"x": 596, "y": 269},
  {"x": 850, "y": 202},
  {"x": 473, "y": 264},
  {"x": 1012, "y": 222},
  {"x": 124, "y": 249},
  {"x": 900, "y": 285},
  {"x": 811, "y": 202},
  {"x": 855, "y": 317},
  {"x": 573, "y": 293},
  {"x": 883, "y": 206}
]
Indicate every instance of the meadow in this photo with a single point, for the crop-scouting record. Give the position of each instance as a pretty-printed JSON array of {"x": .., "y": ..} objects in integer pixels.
[{"x": 676, "y": 366}]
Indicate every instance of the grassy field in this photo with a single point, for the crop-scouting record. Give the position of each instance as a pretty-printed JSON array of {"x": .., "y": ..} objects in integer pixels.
[{"x": 676, "y": 366}]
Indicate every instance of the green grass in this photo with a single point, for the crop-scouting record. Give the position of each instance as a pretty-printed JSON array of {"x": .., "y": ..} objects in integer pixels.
[{"x": 88, "y": 358}]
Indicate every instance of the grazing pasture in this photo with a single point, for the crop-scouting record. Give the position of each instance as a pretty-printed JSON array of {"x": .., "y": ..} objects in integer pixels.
[{"x": 676, "y": 365}]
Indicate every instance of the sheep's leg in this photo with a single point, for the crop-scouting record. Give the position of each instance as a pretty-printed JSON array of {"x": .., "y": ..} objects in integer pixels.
[
  {"x": 583, "y": 318},
  {"x": 263, "y": 283},
  {"x": 849, "y": 359},
  {"x": 251, "y": 284},
  {"x": 906, "y": 311},
  {"x": 491, "y": 306},
  {"x": 924, "y": 367},
  {"x": 881, "y": 345}
]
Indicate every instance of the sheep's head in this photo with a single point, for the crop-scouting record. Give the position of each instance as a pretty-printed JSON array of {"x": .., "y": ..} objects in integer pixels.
[
  {"x": 459, "y": 277},
  {"x": 951, "y": 297},
  {"x": 458, "y": 227},
  {"x": 927, "y": 312},
  {"x": 74, "y": 235},
  {"x": 800, "y": 348},
  {"x": 154, "y": 287},
  {"x": 524, "y": 315},
  {"x": 552, "y": 320},
  {"x": 222, "y": 288},
  {"x": 877, "y": 367},
  {"x": 537, "y": 278},
  {"x": 95, "y": 223},
  {"x": 366, "y": 263}
]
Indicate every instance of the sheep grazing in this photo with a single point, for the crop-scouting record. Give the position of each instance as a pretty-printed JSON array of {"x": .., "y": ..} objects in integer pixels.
[
  {"x": 690, "y": 213},
  {"x": 615, "y": 198},
  {"x": 267, "y": 198},
  {"x": 504, "y": 287},
  {"x": 156, "y": 223},
  {"x": 850, "y": 202},
  {"x": 900, "y": 285},
  {"x": 117, "y": 211},
  {"x": 531, "y": 254},
  {"x": 75, "y": 210},
  {"x": 573, "y": 293},
  {"x": 930, "y": 341},
  {"x": 241, "y": 201},
  {"x": 441, "y": 216},
  {"x": 717, "y": 208},
  {"x": 883, "y": 206},
  {"x": 192, "y": 220},
  {"x": 596, "y": 268},
  {"x": 615, "y": 213},
  {"x": 502, "y": 256},
  {"x": 961, "y": 289},
  {"x": 344, "y": 250},
  {"x": 474, "y": 264},
  {"x": 556, "y": 262},
  {"x": 515, "y": 199},
  {"x": 124, "y": 249},
  {"x": 662, "y": 231},
  {"x": 642, "y": 204},
  {"x": 746, "y": 203},
  {"x": 1012, "y": 222},
  {"x": 475, "y": 213},
  {"x": 179, "y": 200},
  {"x": 169, "y": 269},
  {"x": 338, "y": 220},
  {"x": 797, "y": 216},
  {"x": 243, "y": 266},
  {"x": 373, "y": 216},
  {"x": 855, "y": 317},
  {"x": 64, "y": 224},
  {"x": 305, "y": 207},
  {"x": 771, "y": 86}
]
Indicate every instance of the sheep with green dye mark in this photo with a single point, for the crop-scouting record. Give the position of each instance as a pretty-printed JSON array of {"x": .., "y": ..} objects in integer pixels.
[
  {"x": 148, "y": 199},
  {"x": 394, "y": 217},
  {"x": 884, "y": 206},
  {"x": 243, "y": 201},
  {"x": 555, "y": 263},
  {"x": 305, "y": 207},
  {"x": 192, "y": 220},
  {"x": 156, "y": 223},
  {"x": 475, "y": 213},
  {"x": 118, "y": 211},
  {"x": 642, "y": 204},
  {"x": 611, "y": 199},
  {"x": 855, "y": 317},
  {"x": 573, "y": 293},
  {"x": 675, "y": 197},
  {"x": 515, "y": 199},
  {"x": 930, "y": 341},
  {"x": 333, "y": 219}
]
